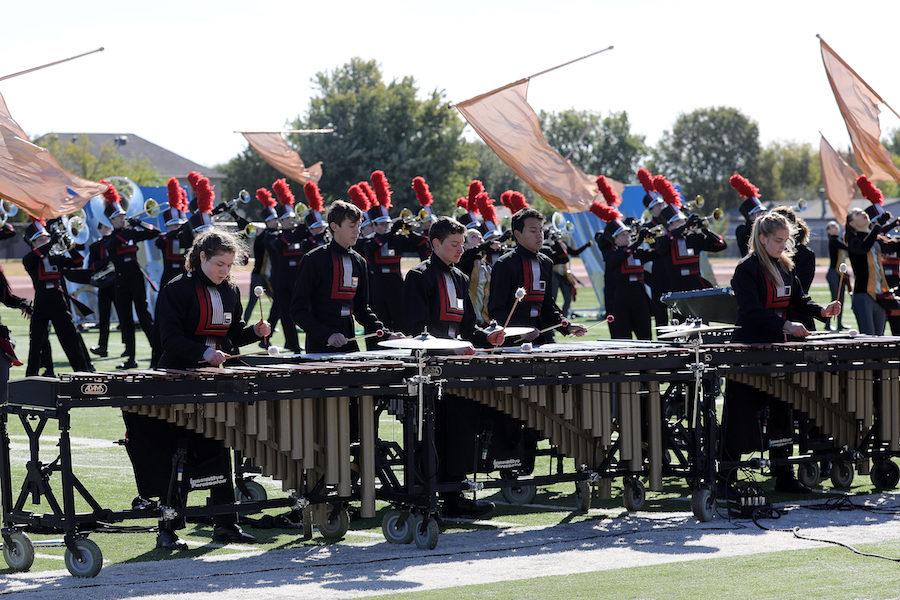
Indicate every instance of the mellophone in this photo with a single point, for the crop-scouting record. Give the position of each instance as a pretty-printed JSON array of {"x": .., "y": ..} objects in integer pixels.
[{"x": 607, "y": 405}]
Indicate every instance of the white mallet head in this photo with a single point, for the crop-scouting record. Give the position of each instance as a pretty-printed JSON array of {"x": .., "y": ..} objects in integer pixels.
[
  {"x": 520, "y": 293},
  {"x": 258, "y": 291},
  {"x": 843, "y": 268},
  {"x": 274, "y": 350},
  {"x": 852, "y": 333},
  {"x": 526, "y": 347}
]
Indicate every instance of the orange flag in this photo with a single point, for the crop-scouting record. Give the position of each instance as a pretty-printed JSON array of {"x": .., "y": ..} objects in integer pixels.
[
  {"x": 858, "y": 104},
  {"x": 507, "y": 123},
  {"x": 839, "y": 179},
  {"x": 31, "y": 178},
  {"x": 284, "y": 159}
]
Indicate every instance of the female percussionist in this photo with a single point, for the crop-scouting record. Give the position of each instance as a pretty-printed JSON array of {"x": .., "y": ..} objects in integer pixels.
[
  {"x": 766, "y": 289},
  {"x": 200, "y": 324}
]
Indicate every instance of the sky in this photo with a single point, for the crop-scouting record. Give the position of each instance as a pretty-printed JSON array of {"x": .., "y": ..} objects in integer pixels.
[{"x": 187, "y": 74}]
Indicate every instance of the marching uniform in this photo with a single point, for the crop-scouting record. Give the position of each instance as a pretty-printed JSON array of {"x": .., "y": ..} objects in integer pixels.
[
  {"x": 890, "y": 261},
  {"x": 763, "y": 308},
  {"x": 173, "y": 254},
  {"x": 679, "y": 256},
  {"x": 522, "y": 268},
  {"x": 195, "y": 316},
  {"x": 8, "y": 356},
  {"x": 129, "y": 288},
  {"x": 286, "y": 249},
  {"x": 98, "y": 260},
  {"x": 805, "y": 270},
  {"x": 329, "y": 291},
  {"x": 563, "y": 280},
  {"x": 750, "y": 208},
  {"x": 51, "y": 305}
]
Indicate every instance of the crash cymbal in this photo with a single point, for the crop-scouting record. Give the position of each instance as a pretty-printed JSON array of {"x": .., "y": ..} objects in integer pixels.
[{"x": 424, "y": 341}]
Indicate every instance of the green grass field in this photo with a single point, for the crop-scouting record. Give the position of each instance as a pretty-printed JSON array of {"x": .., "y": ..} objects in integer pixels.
[{"x": 106, "y": 471}]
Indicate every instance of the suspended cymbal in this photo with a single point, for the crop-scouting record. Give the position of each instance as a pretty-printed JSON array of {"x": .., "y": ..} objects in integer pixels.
[
  {"x": 517, "y": 331},
  {"x": 424, "y": 341}
]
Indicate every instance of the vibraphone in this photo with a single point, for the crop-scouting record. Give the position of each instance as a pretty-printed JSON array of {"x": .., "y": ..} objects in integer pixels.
[
  {"x": 847, "y": 388},
  {"x": 293, "y": 420}
]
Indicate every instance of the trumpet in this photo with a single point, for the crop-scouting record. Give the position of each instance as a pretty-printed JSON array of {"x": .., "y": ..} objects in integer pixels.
[
  {"x": 251, "y": 230},
  {"x": 152, "y": 208},
  {"x": 243, "y": 197},
  {"x": 695, "y": 204}
]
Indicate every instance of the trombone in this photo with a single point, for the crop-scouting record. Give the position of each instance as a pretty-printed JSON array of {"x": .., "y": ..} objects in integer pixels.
[{"x": 243, "y": 197}]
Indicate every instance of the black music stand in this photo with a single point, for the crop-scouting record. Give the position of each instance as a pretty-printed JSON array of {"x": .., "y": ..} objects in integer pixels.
[{"x": 711, "y": 305}]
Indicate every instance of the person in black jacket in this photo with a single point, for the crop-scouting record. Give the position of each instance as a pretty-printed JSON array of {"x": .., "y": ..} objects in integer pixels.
[
  {"x": 526, "y": 268},
  {"x": 259, "y": 276},
  {"x": 766, "y": 291},
  {"x": 8, "y": 356},
  {"x": 332, "y": 288},
  {"x": 51, "y": 303},
  {"x": 200, "y": 324},
  {"x": 890, "y": 261},
  {"x": 835, "y": 247},
  {"x": 130, "y": 292},
  {"x": 286, "y": 249},
  {"x": 98, "y": 260},
  {"x": 436, "y": 298}
]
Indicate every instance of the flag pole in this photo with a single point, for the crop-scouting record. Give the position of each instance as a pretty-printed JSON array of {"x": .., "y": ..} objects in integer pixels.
[
  {"x": 50, "y": 64},
  {"x": 544, "y": 72},
  {"x": 303, "y": 131}
]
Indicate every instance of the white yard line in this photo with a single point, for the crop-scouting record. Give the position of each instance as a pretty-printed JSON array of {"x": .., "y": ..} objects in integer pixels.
[{"x": 461, "y": 558}]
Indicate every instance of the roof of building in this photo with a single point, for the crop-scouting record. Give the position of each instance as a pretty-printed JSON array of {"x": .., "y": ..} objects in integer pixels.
[{"x": 131, "y": 146}]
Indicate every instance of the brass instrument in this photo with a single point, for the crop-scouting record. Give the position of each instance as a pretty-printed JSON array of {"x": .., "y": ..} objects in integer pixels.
[
  {"x": 152, "y": 208},
  {"x": 7, "y": 211}
]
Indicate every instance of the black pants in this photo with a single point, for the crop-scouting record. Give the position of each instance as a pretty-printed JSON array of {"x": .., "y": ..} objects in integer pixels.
[
  {"x": 105, "y": 297},
  {"x": 50, "y": 307},
  {"x": 561, "y": 283},
  {"x": 283, "y": 302},
  {"x": 152, "y": 447},
  {"x": 630, "y": 309},
  {"x": 130, "y": 293},
  {"x": 747, "y": 411}
]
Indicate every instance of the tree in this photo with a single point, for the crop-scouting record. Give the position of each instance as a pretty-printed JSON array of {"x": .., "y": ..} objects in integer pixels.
[
  {"x": 77, "y": 157},
  {"x": 788, "y": 171},
  {"x": 704, "y": 148},
  {"x": 595, "y": 144},
  {"x": 384, "y": 126}
]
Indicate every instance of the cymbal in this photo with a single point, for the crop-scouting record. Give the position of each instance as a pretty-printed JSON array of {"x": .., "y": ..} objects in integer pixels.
[
  {"x": 517, "y": 331},
  {"x": 691, "y": 330},
  {"x": 424, "y": 341}
]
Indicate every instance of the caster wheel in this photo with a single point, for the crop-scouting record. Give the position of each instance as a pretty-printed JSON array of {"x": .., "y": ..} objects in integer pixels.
[
  {"x": 885, "y": 474},
  {"x": 809, "y": 474},
  {"x": 88, "y": 560},
  {"x": 255, "y": 492},
  {"x": 18, "y": 551},
  {"x": 333, "y": 525},
  {"x": 842, "y": 473},
  {"x": 426, "y": 534},
  {"x": 635, "y": 494},
  {"x": 398, "y": 527},
  {"x": 519, "y": 494},
  {"x": 703, "y": 505},
  {"x": 582, "y": 496}
]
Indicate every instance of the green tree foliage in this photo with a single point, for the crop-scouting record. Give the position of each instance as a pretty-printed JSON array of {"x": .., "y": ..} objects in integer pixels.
[
  {"x": 704, "y": 148},
  {"x": 595, "y": 144},
  {"x": 789, "y": 171},
  {"x": 77, "y": 157},
  {"x": 387, "y": 126}
]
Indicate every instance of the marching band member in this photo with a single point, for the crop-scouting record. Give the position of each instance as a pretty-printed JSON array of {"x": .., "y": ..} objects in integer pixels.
[
  {"x": 98, "y": 260},
  {"x": 524, "y": 267},
  {"x": 332, "y": 287},
  {"x": 261, "y": 263},
  {"x": 426, "y": 214},
  {"x": 200, "y": 323},
  {"x": 435, "y": 296},
  {"x": 766, "y": 291},
  {"x": 626, "y": 297},
  {"x": 8, "y": 356},
  {"x": 656, "y": 271},
  {"x": 286, "y": 249},
  {"x": 861, "y": 235},
  {"x": 169, "y": 243},
  {"x": 890, "y": 260},
  {"x": 750, "y": 208},
  {"x": 51, "y": 303},
  {"x": 316, "y": 232},
  {"x": 804, "y": 258},
  {"x": 836, "y": 246},
  {"x": 130, "y": 292}
]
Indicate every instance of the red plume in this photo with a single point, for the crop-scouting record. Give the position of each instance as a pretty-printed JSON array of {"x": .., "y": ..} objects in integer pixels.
[
  {"x": 205, "y": 196},
  {"x": 646, "y": 180},
  {"x": 665, "y": 188},
  {"x": 174, "y": 191},
  {"x": 605, "y": 212},
  {"x": 485, "y": 205},
  {"x": 382, "y": 189},
  {"x": 517, "y": 202},
  {"x": 869, "y": 191},
  {"x": 609, "y": 194},
  {"x": 423, "y": 194},
  {"x": 111, "y": 195},
  {"x": 182, "y": 199},
  {"x": 194, "y": 178},
  {"x": 475, "y": 188},
  {"x": 283, "y": 191},
  {"x": 743, "y": 186},
  {"x": 462, "y": 202},
  {"x": 504, "y": 198},
  {"x": 265, "y": 197},
  {"x": 313, "y": 196},
  {"x": 358, "y": 196}
]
